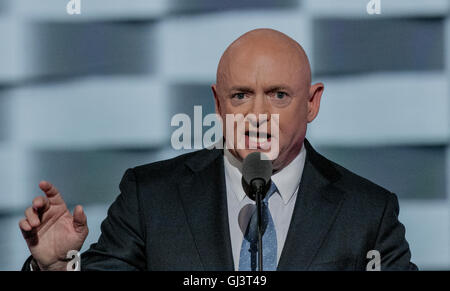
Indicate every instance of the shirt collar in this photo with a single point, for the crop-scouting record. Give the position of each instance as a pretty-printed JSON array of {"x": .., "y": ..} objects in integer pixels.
[{"x": 287, "y": 180}]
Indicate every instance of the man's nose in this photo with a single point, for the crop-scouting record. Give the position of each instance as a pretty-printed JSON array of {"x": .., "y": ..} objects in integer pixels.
[{"x": 260, "y": 111}]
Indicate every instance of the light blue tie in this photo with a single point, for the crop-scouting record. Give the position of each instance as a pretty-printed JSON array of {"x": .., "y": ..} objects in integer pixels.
[{"x": 249, "y": 251}]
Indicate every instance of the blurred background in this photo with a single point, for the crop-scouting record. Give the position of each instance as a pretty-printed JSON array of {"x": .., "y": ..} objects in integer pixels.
[{"x": 84, "y": 97}]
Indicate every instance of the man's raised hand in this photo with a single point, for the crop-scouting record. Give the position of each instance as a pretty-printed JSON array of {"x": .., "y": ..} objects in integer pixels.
[{"x": 51, "y": 231}]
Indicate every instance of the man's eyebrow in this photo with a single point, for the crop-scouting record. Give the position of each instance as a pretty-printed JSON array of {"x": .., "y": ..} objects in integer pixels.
[
  {"x": 278, "y": 88},
  {"x": 241, "y": 89},
  {"x": 273, "y": 88}
]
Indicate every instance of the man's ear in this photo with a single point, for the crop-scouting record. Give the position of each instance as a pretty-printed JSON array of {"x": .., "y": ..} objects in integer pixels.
[
  {"x": 216, "y": 100},
  {"x": 315, "y": 94}
]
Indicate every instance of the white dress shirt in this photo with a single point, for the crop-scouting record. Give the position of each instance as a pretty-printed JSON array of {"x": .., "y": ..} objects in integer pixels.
[{"x": 281, "y": 203}]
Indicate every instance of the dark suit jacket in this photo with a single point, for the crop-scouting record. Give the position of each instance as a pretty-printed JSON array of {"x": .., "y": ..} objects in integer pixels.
[{"x": 172, "y": 215}]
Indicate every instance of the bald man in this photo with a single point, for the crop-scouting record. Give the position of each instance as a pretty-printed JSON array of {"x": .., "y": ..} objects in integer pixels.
[{"x": 191, "y": 213}]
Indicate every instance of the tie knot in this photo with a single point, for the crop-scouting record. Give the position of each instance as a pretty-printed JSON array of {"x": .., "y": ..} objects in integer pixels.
[{"x": 273, "y": 189}]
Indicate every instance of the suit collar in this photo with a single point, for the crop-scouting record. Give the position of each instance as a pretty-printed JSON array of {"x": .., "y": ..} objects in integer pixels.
[{"x": 203, "y": 159}]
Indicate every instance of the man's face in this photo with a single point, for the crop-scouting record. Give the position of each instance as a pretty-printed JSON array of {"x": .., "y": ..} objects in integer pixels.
[{"x": 266, "y": 81}]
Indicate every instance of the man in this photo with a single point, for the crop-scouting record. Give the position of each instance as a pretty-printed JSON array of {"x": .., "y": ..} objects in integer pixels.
[{"x": 187, "y": 213}]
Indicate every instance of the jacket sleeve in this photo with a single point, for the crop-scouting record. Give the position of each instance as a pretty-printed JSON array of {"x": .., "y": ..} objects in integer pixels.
[
  {"x": 121, "y": 244},
  {"x": 27, "y": 265},
  {"x": 391, "y": 241}
]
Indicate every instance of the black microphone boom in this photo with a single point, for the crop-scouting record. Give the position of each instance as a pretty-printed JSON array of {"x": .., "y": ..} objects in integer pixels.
[{"x": 256, "y": 173}]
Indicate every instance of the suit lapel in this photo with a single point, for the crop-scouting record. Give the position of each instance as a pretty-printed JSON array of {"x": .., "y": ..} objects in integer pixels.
[
  {"x": 318, "y": 204},
  {"x": 204, "y": 199}
]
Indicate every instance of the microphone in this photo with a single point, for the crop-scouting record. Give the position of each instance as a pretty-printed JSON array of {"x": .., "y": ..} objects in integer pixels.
[{"x": 256, "y": 173}]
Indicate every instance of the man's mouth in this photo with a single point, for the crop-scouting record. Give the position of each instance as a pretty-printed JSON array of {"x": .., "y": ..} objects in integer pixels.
[{"x": 257, "y": 140}]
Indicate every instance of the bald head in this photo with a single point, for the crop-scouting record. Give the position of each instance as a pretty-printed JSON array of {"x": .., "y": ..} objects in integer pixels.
[{"x": 261, "y": 45}]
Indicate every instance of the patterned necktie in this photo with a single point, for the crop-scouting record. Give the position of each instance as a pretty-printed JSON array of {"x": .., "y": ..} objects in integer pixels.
[{"x": 249, "y": 251}]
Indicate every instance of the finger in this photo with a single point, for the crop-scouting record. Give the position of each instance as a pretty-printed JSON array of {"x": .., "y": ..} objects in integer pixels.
[
  {"x": 29, "y": 233},
  {"x": 79, "y": 218},
  {"x": 24, "y": 225},
  {"x": 51, "y": 192},
  {"x": 41, "y": 204},
  {"x": 32, "y": 217}
]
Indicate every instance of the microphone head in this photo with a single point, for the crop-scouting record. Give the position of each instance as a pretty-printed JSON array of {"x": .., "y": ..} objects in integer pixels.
[{"x": 254, "y": 167}]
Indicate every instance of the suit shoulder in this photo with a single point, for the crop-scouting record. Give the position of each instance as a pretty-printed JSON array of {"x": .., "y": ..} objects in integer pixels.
[
  {"x": 363, "y": 198},
  {"x": 358, "y": 187},
  {"x": 163, "y": 166},
  {"x": 176, "y": 166}
]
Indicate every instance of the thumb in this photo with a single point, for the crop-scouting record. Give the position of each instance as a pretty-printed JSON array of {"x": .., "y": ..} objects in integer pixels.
[{"x": 79, "y": 219}]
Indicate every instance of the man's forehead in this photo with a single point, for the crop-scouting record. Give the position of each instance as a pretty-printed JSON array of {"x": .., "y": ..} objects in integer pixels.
[
  {"x": 262, "y": 70},
  {"x": 263, "y": 55}
]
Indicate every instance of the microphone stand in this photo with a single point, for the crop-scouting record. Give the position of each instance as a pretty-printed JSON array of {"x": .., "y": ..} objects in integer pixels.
[
  {"x": 259, "y": 210},
  {"x": 259, "y": 185}
]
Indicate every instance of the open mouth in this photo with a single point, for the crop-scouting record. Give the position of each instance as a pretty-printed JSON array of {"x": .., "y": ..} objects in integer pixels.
[{"x": 257, "y": 140}]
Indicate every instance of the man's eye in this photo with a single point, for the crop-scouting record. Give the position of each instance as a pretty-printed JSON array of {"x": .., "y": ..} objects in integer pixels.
[
  {"x": 281, "y": 95},
  {"x": 239, "y": 96}
]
